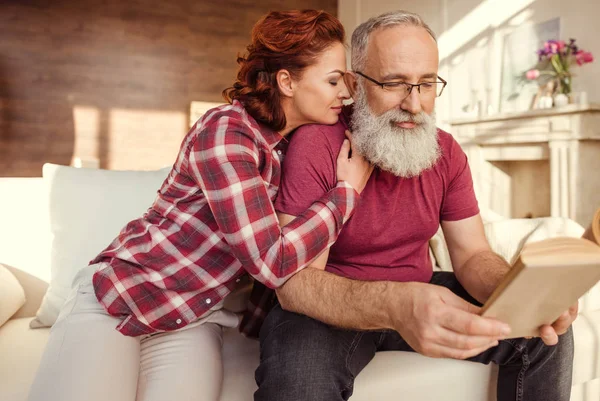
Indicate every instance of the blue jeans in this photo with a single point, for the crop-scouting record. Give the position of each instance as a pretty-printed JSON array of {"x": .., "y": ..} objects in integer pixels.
[{"x": 305, "y": 359}]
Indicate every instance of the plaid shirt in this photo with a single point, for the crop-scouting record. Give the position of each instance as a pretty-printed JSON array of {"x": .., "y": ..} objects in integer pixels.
[{"x": 212, "y": 222}]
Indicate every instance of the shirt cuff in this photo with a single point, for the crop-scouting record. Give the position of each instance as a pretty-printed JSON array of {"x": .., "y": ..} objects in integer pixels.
[{"x": 343, "y": 200}]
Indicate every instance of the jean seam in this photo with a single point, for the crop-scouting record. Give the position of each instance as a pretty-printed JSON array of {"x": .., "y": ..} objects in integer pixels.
[
  {"x": 515, "y": 345},
  {"x": 524, "y": 366},
  {"x": 270, "y": 330},
  {"x": 351, "y": 350},
  {"x": 62, "y": 341}
]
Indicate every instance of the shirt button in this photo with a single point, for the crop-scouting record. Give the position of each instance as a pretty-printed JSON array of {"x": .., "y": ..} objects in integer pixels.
[
  {"x": 238, "y": 280},
  {"x": 178, "y": 321},
  {"x": 279, "y": 152},
  {"x": 208, "y": 300}
]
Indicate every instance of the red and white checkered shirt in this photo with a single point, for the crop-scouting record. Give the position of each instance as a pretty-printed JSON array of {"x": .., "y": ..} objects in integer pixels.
[{"x": 212, "y": 222}]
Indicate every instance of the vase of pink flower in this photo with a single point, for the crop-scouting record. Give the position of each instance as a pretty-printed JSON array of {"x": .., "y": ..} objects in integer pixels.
[{"x": 553, "y": 69}]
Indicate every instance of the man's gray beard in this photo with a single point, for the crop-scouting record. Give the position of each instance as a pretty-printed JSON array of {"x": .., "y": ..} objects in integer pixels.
[{"x": 403, "y": 152}]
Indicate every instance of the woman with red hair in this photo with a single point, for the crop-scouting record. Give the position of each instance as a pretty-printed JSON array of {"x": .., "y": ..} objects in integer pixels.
[{"x": 144, "y": 320}]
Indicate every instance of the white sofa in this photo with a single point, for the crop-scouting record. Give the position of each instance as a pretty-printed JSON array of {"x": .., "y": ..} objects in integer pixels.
[{"x": 27, "y": 248}]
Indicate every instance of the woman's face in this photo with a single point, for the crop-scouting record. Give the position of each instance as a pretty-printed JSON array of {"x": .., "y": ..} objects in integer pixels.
[{"x": 318, "y": 94}]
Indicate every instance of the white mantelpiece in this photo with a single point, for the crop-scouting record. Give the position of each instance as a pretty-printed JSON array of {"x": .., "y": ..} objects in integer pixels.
[{"x": 536, "y": 163}]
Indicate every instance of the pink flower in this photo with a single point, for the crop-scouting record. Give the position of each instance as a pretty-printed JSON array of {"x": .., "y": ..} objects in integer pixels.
[
  {"x": 532, "y": 74},
  {"x": 560, "y": 44},
  {"x": 583, "y": 57}
]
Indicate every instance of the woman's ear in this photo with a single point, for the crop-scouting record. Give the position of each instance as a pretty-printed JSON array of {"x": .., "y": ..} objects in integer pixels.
[
  {"x": 350, "y": 79},
  {"x": 285, "y": 83}
]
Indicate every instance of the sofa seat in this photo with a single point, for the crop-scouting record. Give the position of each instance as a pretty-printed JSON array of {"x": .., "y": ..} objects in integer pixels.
[
  {"x": 414, "y": 376},
  {"x": 20, "y": 354},
  {"x": 389, "y": 373}
]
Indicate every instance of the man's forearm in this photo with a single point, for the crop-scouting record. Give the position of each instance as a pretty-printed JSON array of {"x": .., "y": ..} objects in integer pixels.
[
  {"x": 338, "y": 301},
  {"x": 482, "y": 273}
]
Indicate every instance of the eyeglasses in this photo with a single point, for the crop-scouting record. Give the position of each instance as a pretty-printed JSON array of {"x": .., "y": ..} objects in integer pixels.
[{"x": 426, "y": 89}]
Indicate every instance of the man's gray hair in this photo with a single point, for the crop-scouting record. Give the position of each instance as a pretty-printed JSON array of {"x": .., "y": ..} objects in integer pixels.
[{"x": 360, "y": 36}]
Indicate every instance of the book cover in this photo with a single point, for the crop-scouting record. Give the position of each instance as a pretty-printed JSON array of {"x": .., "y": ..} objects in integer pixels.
[{"x": 546, "y": 279}]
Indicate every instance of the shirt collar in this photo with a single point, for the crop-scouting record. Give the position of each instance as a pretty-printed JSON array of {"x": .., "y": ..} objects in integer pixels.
[{"x": 271, "y": 137}]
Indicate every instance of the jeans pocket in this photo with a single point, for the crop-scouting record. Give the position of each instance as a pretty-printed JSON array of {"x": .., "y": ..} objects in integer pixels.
[{"x": 85, "y": 288}]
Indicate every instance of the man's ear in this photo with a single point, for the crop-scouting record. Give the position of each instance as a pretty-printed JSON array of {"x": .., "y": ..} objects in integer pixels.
[
  {"x": 285, "y": 83},
  {"x": 350, "y": 79}
]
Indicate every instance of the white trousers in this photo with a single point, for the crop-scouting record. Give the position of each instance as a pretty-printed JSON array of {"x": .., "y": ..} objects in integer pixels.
[{"x": 86, "y": 358}]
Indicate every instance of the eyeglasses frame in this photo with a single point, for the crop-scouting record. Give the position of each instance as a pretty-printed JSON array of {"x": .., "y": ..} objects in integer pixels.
[{"x": 411, "y": 86}]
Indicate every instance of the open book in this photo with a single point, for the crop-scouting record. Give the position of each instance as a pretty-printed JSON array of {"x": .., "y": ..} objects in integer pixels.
[{"x": 547, "y": 278}]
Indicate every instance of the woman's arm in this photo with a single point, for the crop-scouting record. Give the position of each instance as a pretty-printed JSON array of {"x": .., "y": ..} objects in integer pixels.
[
  {"x": 333, "y": 299},
  {"x": 225, "y": 164}
]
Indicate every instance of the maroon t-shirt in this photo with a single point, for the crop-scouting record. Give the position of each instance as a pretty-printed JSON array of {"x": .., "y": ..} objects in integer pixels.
[{"x": 387, "y": 237}]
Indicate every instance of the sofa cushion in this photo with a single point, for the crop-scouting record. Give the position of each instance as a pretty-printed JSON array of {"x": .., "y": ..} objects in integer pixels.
[
  {"x": 394, "y": 375},
  {"x": 88, "y": 208},
  {"x": 389, "y": 374},
  {"x": 12, "y": 295},
  {"x": 586, "y": 364},
  {"x": 508, "y": 236},
  {"x": 34, "y": 292},
  {"x": 21, "y": 349}
]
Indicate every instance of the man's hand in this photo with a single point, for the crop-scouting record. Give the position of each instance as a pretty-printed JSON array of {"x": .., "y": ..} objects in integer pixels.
[
  {"x": 437, "y": 323},
  {"x": 550, "y": 333}
]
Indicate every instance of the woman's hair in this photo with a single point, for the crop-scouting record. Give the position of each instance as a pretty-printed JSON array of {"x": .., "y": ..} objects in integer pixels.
[{"x": 290, "y": 40}]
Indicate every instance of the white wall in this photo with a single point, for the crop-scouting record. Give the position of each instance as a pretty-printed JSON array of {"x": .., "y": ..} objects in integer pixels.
[{"x": 471, "y": 36}]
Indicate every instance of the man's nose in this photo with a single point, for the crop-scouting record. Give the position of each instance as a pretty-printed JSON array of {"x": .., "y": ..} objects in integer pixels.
[{"x": 412, "y": 103}]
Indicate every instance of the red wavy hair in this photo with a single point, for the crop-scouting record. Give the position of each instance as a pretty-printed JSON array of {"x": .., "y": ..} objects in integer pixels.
[{"x": 290, "y": 40}]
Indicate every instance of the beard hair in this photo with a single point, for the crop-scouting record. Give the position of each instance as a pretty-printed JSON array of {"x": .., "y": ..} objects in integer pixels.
[{"x": 401, "y": 151}]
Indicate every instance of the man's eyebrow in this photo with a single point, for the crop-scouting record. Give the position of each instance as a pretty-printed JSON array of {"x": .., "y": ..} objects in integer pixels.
[{"x": 391, "y": 77}]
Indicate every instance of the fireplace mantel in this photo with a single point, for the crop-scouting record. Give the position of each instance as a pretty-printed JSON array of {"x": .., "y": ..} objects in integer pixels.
[{"x": 536, "y": 163}]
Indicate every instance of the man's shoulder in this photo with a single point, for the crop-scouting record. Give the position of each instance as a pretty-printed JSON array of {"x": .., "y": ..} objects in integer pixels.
[
  {"x": 445, "y": 139},
  {"x": 448, "y": 144},
  {"x": 310, "y": 136}
]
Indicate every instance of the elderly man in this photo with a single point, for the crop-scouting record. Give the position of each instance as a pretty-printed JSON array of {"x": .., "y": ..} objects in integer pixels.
[{"x": 374, "y": 290}]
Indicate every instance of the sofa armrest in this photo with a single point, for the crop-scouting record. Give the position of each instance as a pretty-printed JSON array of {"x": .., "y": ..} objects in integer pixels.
[{"x": 35, "y": 289}]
